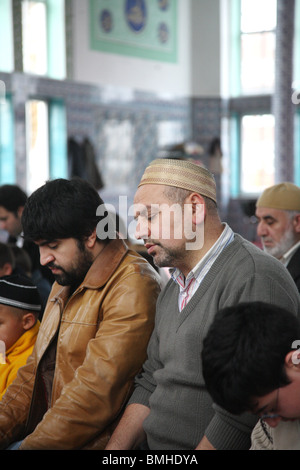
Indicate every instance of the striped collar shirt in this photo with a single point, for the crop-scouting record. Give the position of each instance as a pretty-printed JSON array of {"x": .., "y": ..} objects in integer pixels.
[{"x": 189, "y": 285}]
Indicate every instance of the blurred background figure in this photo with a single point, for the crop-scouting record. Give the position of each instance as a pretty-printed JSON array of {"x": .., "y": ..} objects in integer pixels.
[
  {"x": 12, "y": 202},
  {"x": 278, "y": 214},
  {"x": 16, "y": 261}
]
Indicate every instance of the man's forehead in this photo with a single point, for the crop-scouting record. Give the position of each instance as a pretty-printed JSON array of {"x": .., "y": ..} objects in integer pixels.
[
  {"x": 5, "y": 212},
  {"x": 264, "y": 212},
  {"x": 44, "y": 242},
  {"x": 150, "y": 194}
]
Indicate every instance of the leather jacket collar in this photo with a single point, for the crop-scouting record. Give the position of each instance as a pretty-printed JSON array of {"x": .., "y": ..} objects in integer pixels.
[{"x": 101, "y": 270}]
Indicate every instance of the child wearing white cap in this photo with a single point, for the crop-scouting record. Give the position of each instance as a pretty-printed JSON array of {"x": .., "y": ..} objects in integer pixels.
[{"x": 20, "y": 305}]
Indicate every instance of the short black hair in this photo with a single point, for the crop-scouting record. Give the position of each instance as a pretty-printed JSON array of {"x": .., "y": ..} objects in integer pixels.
[
  {"x": 21, "y": 258},
  {"x": 12, "y": 197},
  {"x": 61, "y": 209},
  {"x": 244, "y": 352},
  {"x": 6, "y": 255}
]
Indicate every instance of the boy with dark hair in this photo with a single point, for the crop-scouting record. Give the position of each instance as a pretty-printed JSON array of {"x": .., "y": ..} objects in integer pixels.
[
  {"x": 250, "y": 363},
  {"x": 20, "y": 305}
]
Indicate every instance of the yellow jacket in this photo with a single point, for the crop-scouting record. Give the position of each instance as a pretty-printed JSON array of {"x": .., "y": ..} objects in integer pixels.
[{"x": 16, "y": 357}]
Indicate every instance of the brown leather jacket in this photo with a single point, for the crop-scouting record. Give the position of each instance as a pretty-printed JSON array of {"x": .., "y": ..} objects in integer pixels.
[{"x": 72, "y": 390}]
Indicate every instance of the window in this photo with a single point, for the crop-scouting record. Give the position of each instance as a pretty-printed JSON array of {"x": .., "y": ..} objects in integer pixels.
[
  {"x": 43, "y": 32},
  {"x": 34, "y": 23},
  {"x": 58, "y": 139},
  {"x": 6, "y": 36},
  {"x": 46, "y": 142},
  {"x": 252, "y": 154},
  {"x": 7, "y": 154},
  {"x": 252, "y": 133},
  {"x": 257, "y": 28},
  {"x": 297, "y": 148},
  {"x": 37, "y": 144},
  {"x": 257, "y": 153}
]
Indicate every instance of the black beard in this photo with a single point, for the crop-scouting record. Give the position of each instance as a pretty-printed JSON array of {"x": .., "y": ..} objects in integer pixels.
[{"x": 75, "y": 276}]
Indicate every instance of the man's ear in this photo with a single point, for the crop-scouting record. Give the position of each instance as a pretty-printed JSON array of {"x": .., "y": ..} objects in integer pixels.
[
  {"x": 198, "y": 208},
  {"x": 7, "y": 269},
  {"x": 20, "y": 211},
  {"x": 292, "y": 360},
  {"x": 91, "y": 240},
  {"x": 297, "y": 223},
  {"x": 29, "y": 320}
]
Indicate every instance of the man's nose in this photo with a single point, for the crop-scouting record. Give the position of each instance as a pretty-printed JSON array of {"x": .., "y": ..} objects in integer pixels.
[
  {"x": 142, "y": 230},
  {"x": 45, "y": 256},
  {"x": 261, "y": 229}
]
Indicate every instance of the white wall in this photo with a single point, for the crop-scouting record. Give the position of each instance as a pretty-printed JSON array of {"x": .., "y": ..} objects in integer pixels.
[{"x": 139, "y": 74}]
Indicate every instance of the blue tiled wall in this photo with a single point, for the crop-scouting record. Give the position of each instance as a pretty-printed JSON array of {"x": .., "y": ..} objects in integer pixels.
[{"x": 126, "y": 128}]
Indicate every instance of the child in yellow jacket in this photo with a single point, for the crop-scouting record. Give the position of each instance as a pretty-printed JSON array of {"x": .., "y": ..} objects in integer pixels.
[{"x": 20, "y": 306}]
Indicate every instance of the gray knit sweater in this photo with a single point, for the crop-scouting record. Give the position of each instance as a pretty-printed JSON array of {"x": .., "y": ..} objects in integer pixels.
[{"x": 171, "y": 383}]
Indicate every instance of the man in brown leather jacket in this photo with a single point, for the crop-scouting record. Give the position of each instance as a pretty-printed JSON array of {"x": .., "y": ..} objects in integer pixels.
[{"x": 95, "y": 329}]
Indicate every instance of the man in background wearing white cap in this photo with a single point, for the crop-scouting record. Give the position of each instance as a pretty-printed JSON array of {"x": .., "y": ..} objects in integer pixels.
[
  {"x": 278, "y": 214},
  {"x": 170, "y": 407}
]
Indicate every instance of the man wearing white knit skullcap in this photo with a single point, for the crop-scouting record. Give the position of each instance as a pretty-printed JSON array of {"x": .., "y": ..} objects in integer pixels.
[{"x": 170, "y": 408}]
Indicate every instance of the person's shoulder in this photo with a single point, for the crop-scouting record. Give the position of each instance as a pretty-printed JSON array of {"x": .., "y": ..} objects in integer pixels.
[
  {"x": 296, "y": 257},
  {"x": 249, "y": 258},
  {"x": 251, "y": 251},
  {"x": 136, "y": 263}
]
